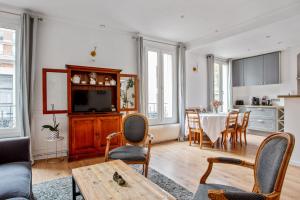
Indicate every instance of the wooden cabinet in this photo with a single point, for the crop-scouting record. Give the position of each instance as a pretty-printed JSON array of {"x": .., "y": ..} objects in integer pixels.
[
  {"x": 88, "y": 134},
  {"x": 257, "y": 70}
]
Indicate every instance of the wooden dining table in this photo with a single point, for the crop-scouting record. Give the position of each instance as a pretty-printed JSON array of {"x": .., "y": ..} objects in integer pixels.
[{"x": 213, "y": 124}]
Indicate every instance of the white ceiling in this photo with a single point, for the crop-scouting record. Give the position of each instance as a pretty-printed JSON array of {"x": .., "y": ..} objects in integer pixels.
[
  {"x": 276, "y": 36},
  {"x": 161, "y": 18}
]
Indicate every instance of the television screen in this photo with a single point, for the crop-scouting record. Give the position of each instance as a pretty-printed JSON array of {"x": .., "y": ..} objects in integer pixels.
[{"x": 91, "y": 100}]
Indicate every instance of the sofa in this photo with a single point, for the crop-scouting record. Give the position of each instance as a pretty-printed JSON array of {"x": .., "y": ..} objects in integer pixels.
[{"x": 15, "y": 169}]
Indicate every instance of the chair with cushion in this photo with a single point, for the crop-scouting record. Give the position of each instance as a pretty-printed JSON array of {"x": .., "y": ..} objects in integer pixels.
[
  {"x": 15, "y": 169},
  {"x": 242, "y": 128},
  {"x": 134, "y": 137},
  {"x": 270, "y": 167}
]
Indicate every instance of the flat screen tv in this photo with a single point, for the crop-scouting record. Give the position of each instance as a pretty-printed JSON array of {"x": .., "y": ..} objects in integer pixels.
[{"x": 91, "y": 101}]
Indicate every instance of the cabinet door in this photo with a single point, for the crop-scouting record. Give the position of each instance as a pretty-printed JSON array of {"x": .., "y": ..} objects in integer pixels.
[
  {"x": 108, "y": 125},
  {"x": 237, "y": 73},
  {"x": 253, "y": 70},
  {"x": 83, "y": 135},
  {"x": 271, "y": 68}
]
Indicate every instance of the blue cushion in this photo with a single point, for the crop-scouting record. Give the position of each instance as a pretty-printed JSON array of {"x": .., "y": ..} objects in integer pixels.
[
  {"x": 269, "y": 162},
  {"x": 202, "y": 191},
  {"x": 134, "y": 128},
  {"x": 128, "y": 153},
  {"x": 15, "y": 180}
]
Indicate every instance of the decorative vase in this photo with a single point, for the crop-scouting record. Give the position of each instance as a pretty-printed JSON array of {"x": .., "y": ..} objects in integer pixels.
[
  {"x": 216, "y": 109},
  {"x": 53, "y": 135}
]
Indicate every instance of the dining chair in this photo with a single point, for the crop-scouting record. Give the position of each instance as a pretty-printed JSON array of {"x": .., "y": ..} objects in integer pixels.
[
  {"x": 231, "y": 128},
  {"x": 271, "y": 162},
  {"x": 195, "y": 128},
  {"x": 242, "y": 128},
  {"x": 135, "y": 140}
]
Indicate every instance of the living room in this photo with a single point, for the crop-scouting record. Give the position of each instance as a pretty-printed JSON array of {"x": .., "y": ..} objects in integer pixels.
[{"x": 167, "y": 87}]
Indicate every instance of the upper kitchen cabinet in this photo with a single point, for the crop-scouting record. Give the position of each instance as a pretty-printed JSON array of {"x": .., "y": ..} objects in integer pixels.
[
  {"x": 253, "y": 70},
  {"x": 257, "y": 70},
  {"x": 237, "y": 73},
  {"x": 271, "y": 68}
]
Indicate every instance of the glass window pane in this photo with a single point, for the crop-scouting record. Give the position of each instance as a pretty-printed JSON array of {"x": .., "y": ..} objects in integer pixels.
[
  {"x": 152, "y": 84},
  {"x": 217, "y": 79},
  {"x": 168, "y": 85},
  {"x": 7, "y": 79}
]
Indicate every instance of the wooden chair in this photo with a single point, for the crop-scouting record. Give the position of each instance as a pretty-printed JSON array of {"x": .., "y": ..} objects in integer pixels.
[
  {"x": 194, "y": 126},
  {"x": 134, "y": 137},
  {"x": 231, "y": 127},
  {"x": 242, "y": 129},
  {"x": 270, "y": 167}
]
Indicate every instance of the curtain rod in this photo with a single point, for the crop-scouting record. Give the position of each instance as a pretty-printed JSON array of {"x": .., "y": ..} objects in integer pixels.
[{"x": 149, "y": 40}]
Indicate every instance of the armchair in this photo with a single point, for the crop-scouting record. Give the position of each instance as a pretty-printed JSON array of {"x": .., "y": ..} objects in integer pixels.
[
  {"x": 135, "y": 140},
  {"x": 15, "y": 169},
  {"x": 270, "y": 167}
]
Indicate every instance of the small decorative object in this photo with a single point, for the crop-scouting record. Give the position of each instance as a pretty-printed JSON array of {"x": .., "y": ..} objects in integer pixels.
[
  {"x": 53, "y": 129},
  {"x": 119, "y": 179},
  {"x": 195, "y": 69},
  {"x": 83, "y": 82},
  {"x": 216, "y": 104},
  {"x": 93, "y": 53},
  {"x": 107, "y": 82},
  {"x": 113, "y": 82},
  {"x": 93, "y": 77},
  {"x": 100, "y": 83},
  {"x": 113, "y": 109},
  {"x": 76, "y": 79}
]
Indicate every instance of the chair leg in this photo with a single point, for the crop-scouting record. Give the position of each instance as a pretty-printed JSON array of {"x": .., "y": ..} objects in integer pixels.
[
  {"x": 146, "y": 170},
  {"x": 201, "y": 139},
  {"x": 244, "y": 136},
  {"x": 143, "y": 168},
  {"x": 190, "y": 138}
]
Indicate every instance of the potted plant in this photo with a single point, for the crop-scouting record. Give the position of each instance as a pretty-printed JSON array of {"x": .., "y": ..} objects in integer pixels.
[
  {"x": 53, "y": 130},
  {"x": 216, "y": 104}
]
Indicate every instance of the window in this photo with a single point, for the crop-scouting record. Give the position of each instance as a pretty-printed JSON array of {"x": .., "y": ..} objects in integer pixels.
[
  {"x": 8, "y": 87},
  {"x": 161, "y": 101},
  {"x": 221, "y": 83}
]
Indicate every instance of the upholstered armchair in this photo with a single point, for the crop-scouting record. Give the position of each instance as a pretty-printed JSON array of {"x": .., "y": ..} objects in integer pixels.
[
  {"x": 270, "y": 167},
  {"x": 136, "y": 142}
]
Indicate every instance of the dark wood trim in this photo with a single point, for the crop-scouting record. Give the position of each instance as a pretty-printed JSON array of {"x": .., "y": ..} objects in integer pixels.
[{"x": 44, "y": 92}]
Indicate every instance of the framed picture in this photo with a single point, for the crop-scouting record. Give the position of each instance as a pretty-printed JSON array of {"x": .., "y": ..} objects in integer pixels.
[{"x": 129, "y": 92}]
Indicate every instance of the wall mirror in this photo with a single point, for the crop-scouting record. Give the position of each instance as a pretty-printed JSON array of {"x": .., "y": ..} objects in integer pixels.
[
  {"x": 129, "y": 92},
  {"x": 55, "y": 91}
]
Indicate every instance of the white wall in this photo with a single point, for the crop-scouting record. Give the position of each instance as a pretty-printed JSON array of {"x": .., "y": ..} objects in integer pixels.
[
  {"x": 196, "y": 82},
  {"x": 61, "y": 43},
  {"x": 288, "y": 80}
]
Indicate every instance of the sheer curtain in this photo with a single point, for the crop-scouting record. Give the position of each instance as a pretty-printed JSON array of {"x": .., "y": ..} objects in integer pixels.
[
  {"x": 141, "y": 74},
  {"x": 181, "y": 50},
  {"x": 229, "y": 86},
  {"x": 210, "y": 80},
  {"x": 27, "y": 70}
]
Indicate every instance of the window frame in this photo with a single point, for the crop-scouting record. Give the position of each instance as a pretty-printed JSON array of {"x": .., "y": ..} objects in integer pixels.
[
  {"x": 222, "y": 63},
  {"x": 161, "y": 50},
  {"x": 16, "y": 131}
]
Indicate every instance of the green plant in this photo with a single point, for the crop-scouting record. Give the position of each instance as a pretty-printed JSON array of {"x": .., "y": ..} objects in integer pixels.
[{"x": 54, "y": 127}]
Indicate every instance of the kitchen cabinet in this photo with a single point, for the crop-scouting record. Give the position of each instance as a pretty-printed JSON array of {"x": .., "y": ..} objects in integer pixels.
[
  {"x": 253, "y": 70},
  {"x": 271, "y": 68},
  {"x": 237, "y": 73}
]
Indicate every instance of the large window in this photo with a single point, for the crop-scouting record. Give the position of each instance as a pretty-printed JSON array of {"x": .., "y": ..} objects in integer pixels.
[
  {"x": 8, "y": 89},
  {"x": 221, "y": 83},
  {"x": 161, "y": 101}
]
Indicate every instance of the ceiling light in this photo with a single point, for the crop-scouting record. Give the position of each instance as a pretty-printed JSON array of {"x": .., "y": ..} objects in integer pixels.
[
  {"x": 268, "y": 36},
  {"x": 181, "y": 16},
  {"x": 249, "y": 49},
  {"x": 216, "y": 30},
  {"x": 102, "y": 26},
  {"x": 279, "y": 42}
]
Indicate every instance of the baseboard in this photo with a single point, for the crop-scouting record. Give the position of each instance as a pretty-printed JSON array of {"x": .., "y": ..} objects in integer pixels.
[
  {"x": 295, "y": 163},
  {"x": 50, "y": 155}
]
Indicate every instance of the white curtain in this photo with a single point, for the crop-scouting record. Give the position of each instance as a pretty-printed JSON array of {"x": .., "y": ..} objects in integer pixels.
[
  {"x": 210, "y": 80},
  {"x": 181, "y": 50},
  {"x": 141, "y": 75},
  {"x": 229, "y": 86},
  {"x": 27, "y": 70}
]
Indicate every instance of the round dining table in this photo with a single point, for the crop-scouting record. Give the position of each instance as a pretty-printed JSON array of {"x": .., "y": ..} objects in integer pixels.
[{"x": 213, "y": 124}]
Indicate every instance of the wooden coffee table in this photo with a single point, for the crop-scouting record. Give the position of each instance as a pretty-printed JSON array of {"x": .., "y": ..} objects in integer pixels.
[{"x": 96, "y": 182}]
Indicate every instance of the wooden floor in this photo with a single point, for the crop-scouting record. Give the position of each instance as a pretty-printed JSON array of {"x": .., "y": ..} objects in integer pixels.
[{"x": 185, "y": 164}]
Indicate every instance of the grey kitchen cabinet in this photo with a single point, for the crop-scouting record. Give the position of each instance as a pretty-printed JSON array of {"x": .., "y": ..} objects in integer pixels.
[
  {"x": 237, "y": 73},
  {"x": 253, "y": 70},
  {"x": 271, "y": 68}
]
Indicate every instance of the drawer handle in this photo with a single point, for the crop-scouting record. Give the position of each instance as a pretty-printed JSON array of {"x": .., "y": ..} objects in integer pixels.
[{"x": 260, "y": 121}]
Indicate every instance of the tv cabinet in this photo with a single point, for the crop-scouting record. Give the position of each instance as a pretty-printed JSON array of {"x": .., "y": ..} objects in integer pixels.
[{"x": 88, "y": 130}]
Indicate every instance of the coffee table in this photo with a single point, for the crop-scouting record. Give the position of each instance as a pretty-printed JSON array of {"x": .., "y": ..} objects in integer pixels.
[{"x": 95, "y": 182}]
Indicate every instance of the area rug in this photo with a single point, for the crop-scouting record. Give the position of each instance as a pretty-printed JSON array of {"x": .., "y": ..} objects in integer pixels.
[{"x": 61, "y": 189}]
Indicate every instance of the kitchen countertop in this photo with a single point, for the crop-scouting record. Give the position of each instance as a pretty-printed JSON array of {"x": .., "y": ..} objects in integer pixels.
[
  {"x": 289, "y": 96},
  {"x": 257, "y": 106}
]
